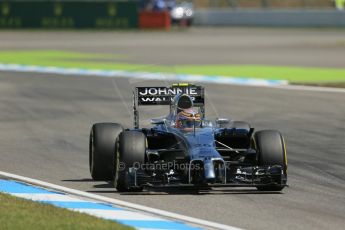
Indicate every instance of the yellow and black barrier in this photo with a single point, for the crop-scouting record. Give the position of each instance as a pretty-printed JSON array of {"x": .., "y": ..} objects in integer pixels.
[{"x": 68, "y": 14}]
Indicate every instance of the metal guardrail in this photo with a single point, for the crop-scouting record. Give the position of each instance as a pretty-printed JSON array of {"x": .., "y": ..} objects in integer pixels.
[
  {"x": 263, "y": 3},
  {"x": 270, "y": 17},
  {"x": 228, "y": 3}
]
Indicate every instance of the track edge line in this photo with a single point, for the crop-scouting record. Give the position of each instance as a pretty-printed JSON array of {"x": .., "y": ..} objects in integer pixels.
[{"x": 138, "y": 207}]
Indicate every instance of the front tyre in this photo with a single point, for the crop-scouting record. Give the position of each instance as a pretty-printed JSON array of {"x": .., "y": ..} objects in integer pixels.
[
  {"x": 102, "y": 150},
  {"x": 271, "y": 151},
  {"x": 131, "y": 153}
]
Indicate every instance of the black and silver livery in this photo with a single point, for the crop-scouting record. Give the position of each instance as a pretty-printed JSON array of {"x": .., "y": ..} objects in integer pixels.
[{"x": 219, "y": 153}]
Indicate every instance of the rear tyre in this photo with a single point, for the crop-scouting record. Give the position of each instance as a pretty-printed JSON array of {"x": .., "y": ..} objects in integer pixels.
[
  {"x": 271, "y": 151},
  {"x": 102, "y": 150},
  {"x": 131, "y": 153}
]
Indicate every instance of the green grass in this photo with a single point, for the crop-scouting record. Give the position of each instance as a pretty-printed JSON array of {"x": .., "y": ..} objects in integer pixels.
[
  {"x": 292, "y": 74},
  {"x": 113, "y": 62},
  {"x": 16, "y": 213}
]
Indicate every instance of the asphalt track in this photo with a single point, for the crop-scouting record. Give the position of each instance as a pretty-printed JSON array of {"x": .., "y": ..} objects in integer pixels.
[
  {"x": 45, "y": 122},
  {"x": 262, "y": 46}
]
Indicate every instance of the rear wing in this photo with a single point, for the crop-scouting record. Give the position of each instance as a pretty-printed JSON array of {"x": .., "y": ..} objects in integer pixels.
[
  {"x": 145, "y": 96},
  {"x": 164, "y": 95}
]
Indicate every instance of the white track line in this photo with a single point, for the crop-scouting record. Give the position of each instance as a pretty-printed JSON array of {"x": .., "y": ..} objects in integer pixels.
[
  {"x": 120, "y": 214},
  {"x": 158, "y": 212},
  {"x": 310, "y": 88},
  {"x": 48, "y": 197},
  {"x": 277, "y": 84}
]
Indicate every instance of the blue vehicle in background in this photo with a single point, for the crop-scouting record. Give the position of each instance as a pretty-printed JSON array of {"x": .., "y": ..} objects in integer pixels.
[{"x": 184, "y": 149}]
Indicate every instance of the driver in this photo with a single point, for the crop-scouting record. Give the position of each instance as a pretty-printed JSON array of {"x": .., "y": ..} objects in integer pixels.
[{"x": 186, "y": 119}]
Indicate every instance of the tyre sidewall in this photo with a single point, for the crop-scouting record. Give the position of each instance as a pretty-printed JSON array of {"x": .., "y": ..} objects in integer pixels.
[
  {"x": 131, "y": 153},
  {"x": 102, "y": 158},
  {"x": 270, "y": 147}
]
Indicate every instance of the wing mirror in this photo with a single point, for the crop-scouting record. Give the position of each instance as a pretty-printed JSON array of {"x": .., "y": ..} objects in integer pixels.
[
  {"x": 222, "y": 121},
  {"x": 158, "y": 121}
]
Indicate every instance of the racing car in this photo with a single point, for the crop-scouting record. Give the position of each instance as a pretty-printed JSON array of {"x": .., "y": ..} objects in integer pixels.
[{"x": 184, "y": 149}]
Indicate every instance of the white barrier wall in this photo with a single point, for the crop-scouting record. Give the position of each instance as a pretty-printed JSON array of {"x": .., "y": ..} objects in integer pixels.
[{"x": 266, "y": 17}]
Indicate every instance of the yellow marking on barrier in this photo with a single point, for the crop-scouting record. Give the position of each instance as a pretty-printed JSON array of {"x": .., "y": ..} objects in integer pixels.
[
  {"x": 58, "y": 9},
  {"x": 5, "y": 9},
  {"x": 112, "y": 11}
]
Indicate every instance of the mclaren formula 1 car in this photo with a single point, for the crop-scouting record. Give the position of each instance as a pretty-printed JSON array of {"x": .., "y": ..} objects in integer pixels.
[{"x": 184, "y": 149}]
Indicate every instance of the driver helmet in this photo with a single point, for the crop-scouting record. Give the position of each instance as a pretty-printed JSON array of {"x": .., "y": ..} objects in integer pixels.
[{"x": 187, "y": 118}]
